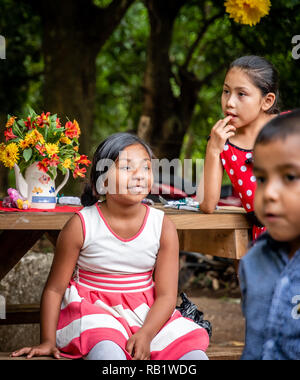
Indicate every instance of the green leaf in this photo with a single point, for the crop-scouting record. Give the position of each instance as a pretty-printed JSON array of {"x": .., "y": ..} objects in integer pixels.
[
  {"x": 21, "y": 123},
  {"x": 53, "y": 117},
  {"x": 52, "y": 172},
  {"x": 27, "y": 154},
  {"x": 31, "y": 112}
]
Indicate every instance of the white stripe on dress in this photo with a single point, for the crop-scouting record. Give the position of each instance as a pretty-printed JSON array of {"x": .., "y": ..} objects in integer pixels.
[
  {"x": 71, "y": 295},
  {"x": 115, "y": 279},
  {"x": 174, "y": 330},
  {"x": 109, "y": 284},
  {"x": 116, "y": 291},
  {"x": 65, "y": 335}
]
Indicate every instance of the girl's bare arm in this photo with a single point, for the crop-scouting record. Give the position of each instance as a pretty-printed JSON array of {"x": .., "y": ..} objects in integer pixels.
[
  {"x": 68, "y": 245},
  {"x": 213, "y": 170}
]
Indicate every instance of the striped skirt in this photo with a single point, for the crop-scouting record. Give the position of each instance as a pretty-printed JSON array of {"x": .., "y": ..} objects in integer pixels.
[{"x": 100, "y": 307}]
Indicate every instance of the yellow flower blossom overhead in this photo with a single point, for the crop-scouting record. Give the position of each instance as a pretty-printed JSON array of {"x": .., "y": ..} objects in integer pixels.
[{"x": 248, "y": 12}]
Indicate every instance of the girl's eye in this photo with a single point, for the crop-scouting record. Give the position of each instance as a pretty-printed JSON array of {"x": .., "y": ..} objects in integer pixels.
[
  {"x": 290, "y": 177},
  {"x": 242, "y": 94},
  {"x": 225, "y": 91},
  {"x": 260, "y": 179},
  {"x": 125, "y": 168}
]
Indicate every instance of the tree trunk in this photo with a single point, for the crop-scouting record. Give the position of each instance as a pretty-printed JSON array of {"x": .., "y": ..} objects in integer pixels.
[
  {"x": 159, "y": 101},
  {"x": 169, "y": 116},
  {"x": 73, "y": 34}
]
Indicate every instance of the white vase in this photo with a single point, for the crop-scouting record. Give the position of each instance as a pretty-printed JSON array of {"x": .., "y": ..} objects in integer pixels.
[{"x": 38, "y": 187}]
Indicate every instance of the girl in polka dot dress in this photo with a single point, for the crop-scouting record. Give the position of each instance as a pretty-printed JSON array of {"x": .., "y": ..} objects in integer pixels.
[{"x": 249, "y": 101}]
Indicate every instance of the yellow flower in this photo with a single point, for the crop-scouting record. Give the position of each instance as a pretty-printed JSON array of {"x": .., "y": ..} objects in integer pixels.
[
  {"x": 10, "y": 155},
  {"x": 65, "y": 140},
  {"x": 247, "y": 12},
  {"x": 51, "y": 149},
  {"x": 67, "y": 163},
  {"x": 23, "y": 144},
  {"x": 20, "y": 204},
  {"x": 10, "y": 121}
]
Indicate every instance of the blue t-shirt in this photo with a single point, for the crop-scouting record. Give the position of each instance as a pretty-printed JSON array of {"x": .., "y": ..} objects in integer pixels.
[{"x": 270, "y": 286}]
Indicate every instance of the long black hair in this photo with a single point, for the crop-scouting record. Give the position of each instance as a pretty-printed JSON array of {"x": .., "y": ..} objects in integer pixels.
[
  {"x": 263, "y": 75},
  {"x": 107, "y": 152}
]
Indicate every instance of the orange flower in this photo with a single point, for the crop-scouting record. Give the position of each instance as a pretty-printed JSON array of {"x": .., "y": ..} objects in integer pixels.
[
  {"x": 9, "y": 134},
  {"x": 10, "y": 121},
  {"x": 72, "y": 129}
]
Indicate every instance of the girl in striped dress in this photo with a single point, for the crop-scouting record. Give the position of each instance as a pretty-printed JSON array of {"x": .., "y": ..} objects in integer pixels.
[{"x": 100, "y": 300}]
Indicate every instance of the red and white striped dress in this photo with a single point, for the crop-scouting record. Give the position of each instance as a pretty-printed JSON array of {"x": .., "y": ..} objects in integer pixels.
[{"x": 112, "y": 290}]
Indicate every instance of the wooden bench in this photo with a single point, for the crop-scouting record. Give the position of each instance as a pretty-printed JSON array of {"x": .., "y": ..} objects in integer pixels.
[
  {"x": 28, "y": 314},
  {"x": 214, "y": 352},
  {"x": 21, "y": 314}
]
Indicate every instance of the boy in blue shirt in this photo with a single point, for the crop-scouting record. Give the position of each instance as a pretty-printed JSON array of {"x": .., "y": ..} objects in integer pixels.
[{"x": 270, "y": 272}]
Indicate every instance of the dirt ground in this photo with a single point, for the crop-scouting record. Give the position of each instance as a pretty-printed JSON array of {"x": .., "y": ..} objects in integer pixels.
[{"x": 24, "y": 284}]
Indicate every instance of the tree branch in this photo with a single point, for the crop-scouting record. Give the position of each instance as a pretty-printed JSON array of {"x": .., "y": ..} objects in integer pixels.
[
  {"x": 201, "y": 33},
  {"x": 102, "y": 22}
]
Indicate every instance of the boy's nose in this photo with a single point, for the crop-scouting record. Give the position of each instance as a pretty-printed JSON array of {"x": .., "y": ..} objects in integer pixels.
[{"x": 271, "y": 191}]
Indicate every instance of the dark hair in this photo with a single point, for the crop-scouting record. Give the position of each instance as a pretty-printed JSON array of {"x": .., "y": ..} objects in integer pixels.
[
  {"x": 263, "y": 75},
  {"x": 280, "y": 127},
  {"x": 108, "y": 150}
]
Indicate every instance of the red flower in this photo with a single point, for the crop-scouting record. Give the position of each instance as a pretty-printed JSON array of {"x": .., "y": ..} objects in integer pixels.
[
  {"x": 28, "y": 123},
  {"x": 9, "y": 134},
  {"x": 54, "y": 160},
  {"x": 41, "y": 149},
  {"x": 72, "y": 129},
  {"x": 43, "y": 165},
  {"x": 79, "y": 172},
  {"x": 83, "y": 160},
  {"x": 43, "y": 119},
  {"x": 58, "y": 125}
]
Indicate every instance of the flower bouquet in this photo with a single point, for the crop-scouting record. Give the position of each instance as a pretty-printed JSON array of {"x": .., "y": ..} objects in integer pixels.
[
  {"x": 39, "y": 145},
  {"x": 43, "y": 139}
]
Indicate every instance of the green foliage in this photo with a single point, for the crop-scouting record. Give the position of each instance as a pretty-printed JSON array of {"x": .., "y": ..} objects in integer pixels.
[
  {"x": 102, "y": 3},
  {"x": 121, "y": 65},
  {"x": 20, "y": 25}
]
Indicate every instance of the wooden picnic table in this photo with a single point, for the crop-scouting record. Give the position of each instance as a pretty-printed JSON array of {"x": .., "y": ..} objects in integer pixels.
[{"x": 225, "y": 233}]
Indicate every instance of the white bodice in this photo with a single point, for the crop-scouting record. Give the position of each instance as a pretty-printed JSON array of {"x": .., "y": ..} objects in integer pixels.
[{"x": 105, "y": 252}]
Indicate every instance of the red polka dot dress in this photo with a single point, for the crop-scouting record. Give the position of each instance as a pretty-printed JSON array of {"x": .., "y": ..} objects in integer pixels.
[{"x": 238, "y": 164}]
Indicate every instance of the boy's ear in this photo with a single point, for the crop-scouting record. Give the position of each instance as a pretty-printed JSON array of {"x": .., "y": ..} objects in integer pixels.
[{"x": 268, "y": 101}]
